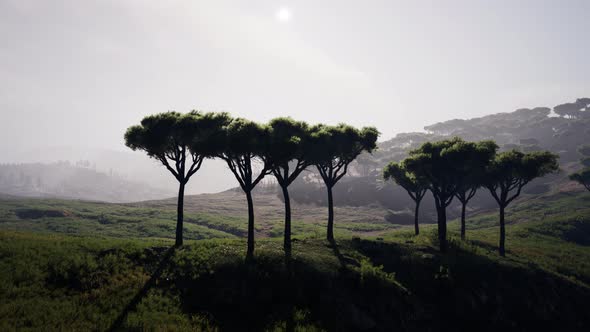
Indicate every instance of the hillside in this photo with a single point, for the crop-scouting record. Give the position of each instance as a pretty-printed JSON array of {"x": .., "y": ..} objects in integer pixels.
[
  {"x": 60, "y": 282},
  {"x": 72, "y": 181},
  {"x": 75, "y": 265},
  {"x": 539, "y": 128}
]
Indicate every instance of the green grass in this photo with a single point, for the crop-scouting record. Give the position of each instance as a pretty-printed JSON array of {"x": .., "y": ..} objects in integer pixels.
[
  {"x": 60, "y": 282},
  {"x": 69, "y": 265}
]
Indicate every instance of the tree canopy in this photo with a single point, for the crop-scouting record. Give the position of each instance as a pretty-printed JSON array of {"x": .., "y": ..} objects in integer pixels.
[
  {"x": 582, "y": 177},
  {"x": 416, "y": 187},
  {"x": 172, "y": 138},
  {"x": 509, "y": 172},
  {"x": 244, "y": 145},
  {"x": 286, "y": 157},
  {"x": 332, "y": 149},
  {"x": 335, "y": 147},
  {"x": 444, "y": 165}
]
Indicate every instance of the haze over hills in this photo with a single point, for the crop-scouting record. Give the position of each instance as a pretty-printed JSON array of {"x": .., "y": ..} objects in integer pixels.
[
  {"x": 127, "y": 165},
  {"x": 538, "y": 128}
]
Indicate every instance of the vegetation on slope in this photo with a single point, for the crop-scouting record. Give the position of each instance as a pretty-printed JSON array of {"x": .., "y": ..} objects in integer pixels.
[{"x": 399, "y": 281}]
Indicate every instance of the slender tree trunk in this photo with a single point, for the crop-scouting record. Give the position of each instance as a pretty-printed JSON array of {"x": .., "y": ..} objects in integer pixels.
[
  {"x": 463, "y": 220},
  {"x": 416, "y": 228},
  {"x": 179, "y": 215},
  {"x": 330, "y": 234},
  {"x": 502, "y": 232},
  {"x": 442, "y": 228},
  {"x": 250, "y": 252},
  {"x": 287, "y": 235}
]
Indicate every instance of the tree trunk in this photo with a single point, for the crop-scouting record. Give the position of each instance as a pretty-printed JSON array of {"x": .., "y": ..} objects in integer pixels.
[
  {"x": 442, "y": 228},
  {"x": 179, "y": 215},
  {"x": 250, "y": 252},
  {"x": 330, "y": 234},
  {"x": 416, "y": 228},
  {"x": 502, "y": 232},
  {"x": 287, "y": 235},
  {"x": 463, "y": 220}
]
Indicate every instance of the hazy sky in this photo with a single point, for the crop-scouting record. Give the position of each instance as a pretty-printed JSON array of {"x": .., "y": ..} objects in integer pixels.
[{"x": 79, "y": 72}]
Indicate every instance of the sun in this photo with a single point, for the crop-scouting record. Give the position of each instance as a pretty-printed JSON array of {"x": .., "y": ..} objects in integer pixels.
[{"x": 283, "y": 14}]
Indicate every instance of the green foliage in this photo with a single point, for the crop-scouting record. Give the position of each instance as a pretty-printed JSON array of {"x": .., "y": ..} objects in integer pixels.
[
  {"x": 245, "y": 138},
  {"x": 415, "y": 186},
  {"x": 512, "y": 170},
  {"x": 335, "y": 147},
  {"x": 52, "y": 281},
  {"x": 446, "y": 165},
  {"x": 340, "y": 144},
  {"x": 169, "y": 137},
  {"x": 582, "y": 177},
  {"x": 289, "y": 140}
]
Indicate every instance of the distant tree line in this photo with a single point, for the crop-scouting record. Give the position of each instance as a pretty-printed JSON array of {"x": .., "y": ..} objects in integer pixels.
[
  {"x": 282, "y": 148},
  {"x": 455, "y": 168}
]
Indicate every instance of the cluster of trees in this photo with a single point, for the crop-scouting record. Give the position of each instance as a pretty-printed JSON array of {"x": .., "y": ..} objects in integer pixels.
[
  {"x": 455, "y": 168},
  {"x": 583, "y": 176},
  {"x": 572, "y": 110},
  {"x": 283, "y": 148}
]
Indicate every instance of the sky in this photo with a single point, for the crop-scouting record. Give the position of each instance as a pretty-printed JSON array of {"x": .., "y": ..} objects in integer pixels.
[{"x": 79, "y": 72}]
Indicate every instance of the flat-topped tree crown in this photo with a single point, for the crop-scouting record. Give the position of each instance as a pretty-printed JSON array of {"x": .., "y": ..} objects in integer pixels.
[
  {"x": 210, "y": 129},
  {"x": 509, "y": 172},
  {"x": 157, "y": 134},
  {"x": 415, "y": 186},
  {"x": 332, "y": 149},
  {"x": 288, "y": 141},
  {"x": 445, "y": 165},
  {"x": 340, "y": 144},
  {"x": 242, "y": 143},
  {"x": 512, "y": 170},
  {"x": 400, "y": 175},
  {"x": 287, "y": 158},
  {"x": 170, "y": 136},
  {"x": 246, "y": 138},
  {"x": 582, "y": 177},
  {"x": 180, "y": 142}
]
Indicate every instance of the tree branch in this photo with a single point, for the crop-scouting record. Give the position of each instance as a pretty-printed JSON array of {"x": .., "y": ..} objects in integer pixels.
[
  {"x": 164, "y": 161},
  {"x": 197, "y": 162}
]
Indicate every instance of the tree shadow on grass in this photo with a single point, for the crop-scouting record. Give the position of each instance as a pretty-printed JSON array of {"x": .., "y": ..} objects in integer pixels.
[
  {"x": 460, "y": 289},
  {"x": 266, "y": 294},
  {"x": 463, "y": 289},
  {"x": 161, "y": 267}
]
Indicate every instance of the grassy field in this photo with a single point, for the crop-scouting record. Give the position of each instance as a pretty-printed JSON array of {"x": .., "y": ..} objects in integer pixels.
[
  {"x": 206, "y": 216},
  {"x": 69, "y": 265}
]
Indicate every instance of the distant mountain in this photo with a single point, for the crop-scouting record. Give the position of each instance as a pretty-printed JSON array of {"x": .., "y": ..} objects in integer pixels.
[
  {"x": 560, "y": 130},
  {"x": 77, "y": 181},
  {"x": 129, "y": 165}
]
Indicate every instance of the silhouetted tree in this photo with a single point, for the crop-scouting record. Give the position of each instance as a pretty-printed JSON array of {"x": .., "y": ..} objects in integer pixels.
[
  {"x": 415, "y": 187},
  {"x": 509, "y": 172},
  {"x": 180, "y": 142},
  {"x": 582, "y": 177},
  {"x": 332, "y": 149},
  {"x": 245, "y": 143},
  {"x": 568, "y": 110},
  {"x": 444, "y": 165},
  {"x": 475, "y": 165},
  {"x": 286, "y": 158}
]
